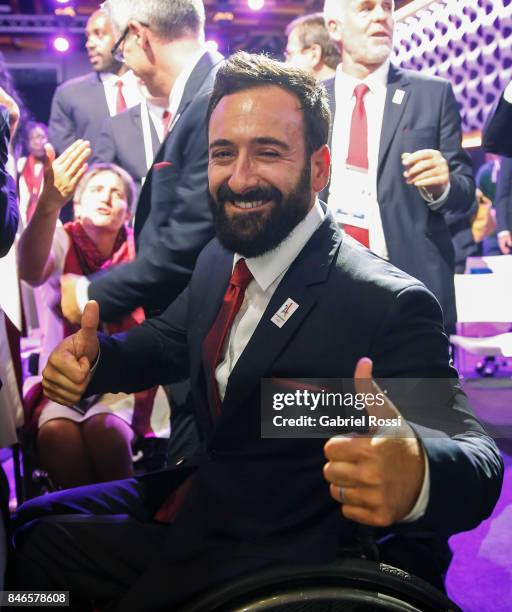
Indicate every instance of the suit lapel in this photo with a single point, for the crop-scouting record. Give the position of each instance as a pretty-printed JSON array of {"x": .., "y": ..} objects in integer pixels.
[
  {"x": 397, "y": 97},
  {"x": 310, "y": 268},
  {"x": 96, "y": 98}
]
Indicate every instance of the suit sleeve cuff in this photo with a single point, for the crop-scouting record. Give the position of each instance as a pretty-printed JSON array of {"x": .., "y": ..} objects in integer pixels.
[
  {"x": 82, "y": 292},
  {"x": 422, "y": 502},
  {"x": 431, "y": 202},
  {"x": 507, "y": 94},
  {"x": 503, "y": 233}
]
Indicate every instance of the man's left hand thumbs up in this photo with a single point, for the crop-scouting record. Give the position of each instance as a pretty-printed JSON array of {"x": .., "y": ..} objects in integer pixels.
[{"x": 377, "y": 478}]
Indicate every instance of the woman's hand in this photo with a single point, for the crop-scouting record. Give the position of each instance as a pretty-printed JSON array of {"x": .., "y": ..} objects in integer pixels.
[{"x": 62, "y": 175}]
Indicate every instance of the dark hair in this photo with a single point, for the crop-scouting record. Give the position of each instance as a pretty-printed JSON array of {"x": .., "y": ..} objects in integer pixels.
[
  {"x": 244, "y": 71},
  {"x": 313, "y": 31},
  {"x": 130, "y": 189}
]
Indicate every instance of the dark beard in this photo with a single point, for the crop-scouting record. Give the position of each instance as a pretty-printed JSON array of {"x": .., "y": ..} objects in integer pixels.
[{"x": 253, "y": 234}]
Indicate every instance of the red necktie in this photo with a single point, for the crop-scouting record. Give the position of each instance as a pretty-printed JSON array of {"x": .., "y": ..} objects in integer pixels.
[
  {"x": 212, "y": 350},
  {"x": 214, "y": 341},
  {"x": 358, "y": 145},
  {"x": 120, "y": 101},
  {"x": 357, "y": 157},
  {"x": 166, "y": 120}
]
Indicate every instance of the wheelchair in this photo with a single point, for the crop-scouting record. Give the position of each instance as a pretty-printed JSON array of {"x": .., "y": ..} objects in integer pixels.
[{"x": 348, "y": 585}]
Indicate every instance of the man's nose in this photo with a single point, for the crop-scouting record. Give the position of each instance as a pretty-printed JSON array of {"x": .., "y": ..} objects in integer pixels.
[{"x": 243, "y": 176}]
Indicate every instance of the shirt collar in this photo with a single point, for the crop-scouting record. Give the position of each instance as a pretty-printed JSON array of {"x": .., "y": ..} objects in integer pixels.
[
  {"x": 179, "y": 85},
  {"x": 346, "y": 83},
  {"x": 111, "y": 79},
  {"x": 267, "y": 268}
]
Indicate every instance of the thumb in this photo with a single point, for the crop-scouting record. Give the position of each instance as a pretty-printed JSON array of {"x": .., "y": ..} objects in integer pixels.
[
  {"x": 90, "y": 318},
  {"x": 87, "y": 341},
  {"x": 379, "y": 407}
]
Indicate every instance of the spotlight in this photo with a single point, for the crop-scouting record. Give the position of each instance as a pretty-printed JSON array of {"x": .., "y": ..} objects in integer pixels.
[
  {"x": 255, "y": 5},
  {"x": 62, "y": 1},
  {"x": 212, "y": 45},
  {"x": 61, "y": 44}
]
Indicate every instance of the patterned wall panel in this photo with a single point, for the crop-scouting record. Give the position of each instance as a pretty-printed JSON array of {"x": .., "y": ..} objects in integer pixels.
[{"x": 468, "y": 42}]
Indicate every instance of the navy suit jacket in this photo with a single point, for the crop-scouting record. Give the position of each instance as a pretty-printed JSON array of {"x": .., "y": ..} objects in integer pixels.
[
  {"x": 496, "y": 135},
  {"x": 255, "y": 497},
  {"x": 79, "y": 107},
  {"x": 122, "y": 142},
  {"x": 9, "y": 214},
  {"x": 503, "y": 201},
  {"x": 417, "y": 238},
  {"x": 173, "y": 221}
]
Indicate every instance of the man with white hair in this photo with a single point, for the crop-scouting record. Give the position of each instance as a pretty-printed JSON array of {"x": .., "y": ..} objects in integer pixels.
[
  {"x": 163, "y": 43},
  {"x": 398, "y": 165}
]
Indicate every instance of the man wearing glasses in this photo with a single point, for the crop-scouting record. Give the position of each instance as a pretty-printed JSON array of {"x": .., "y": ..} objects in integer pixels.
[
  {"x": 80, "y": 105},
  {"x": 163, "y": 43}
]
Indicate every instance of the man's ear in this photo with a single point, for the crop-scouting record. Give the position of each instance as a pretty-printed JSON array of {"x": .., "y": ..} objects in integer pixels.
[
  {"x": 320, "y": 168},
  {"x": 139, "y": 31},
  {"x": 334, "y": 27},
  {"x": 316, "y": 53}
]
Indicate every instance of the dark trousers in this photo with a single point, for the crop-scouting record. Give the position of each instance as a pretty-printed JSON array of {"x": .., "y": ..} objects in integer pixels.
[
  {"x": 101, "y": 543},
  {"x": 94, "y": 541}
]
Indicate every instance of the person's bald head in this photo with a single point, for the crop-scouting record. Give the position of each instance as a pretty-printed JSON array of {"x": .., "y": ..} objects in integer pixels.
[{"x": 363, "y": 29}]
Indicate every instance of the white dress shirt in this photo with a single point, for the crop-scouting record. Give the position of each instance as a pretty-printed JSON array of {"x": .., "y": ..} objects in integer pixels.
[
  {"x": 268, "y": 271},
  {"x": 352, "y": 193},
  {"x": 131, "y": 90}
]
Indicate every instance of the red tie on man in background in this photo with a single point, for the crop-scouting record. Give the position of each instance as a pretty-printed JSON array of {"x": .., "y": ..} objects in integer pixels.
[
  {"x": 357, "y": 157},
  {"x": 212, "y": 353},
  {"x": 166, "y": 121},
  {"x": 120, "y": 101}
]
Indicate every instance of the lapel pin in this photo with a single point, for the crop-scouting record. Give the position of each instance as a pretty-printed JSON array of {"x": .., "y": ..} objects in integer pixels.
[
  {"x": 284, "y": 313},
  {"x": 398, "y": 96}
]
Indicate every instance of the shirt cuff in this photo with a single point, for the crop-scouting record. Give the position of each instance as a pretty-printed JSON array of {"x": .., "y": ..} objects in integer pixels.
[
  {"x": 423, "y": 498},
  {"x": 504, "y": 233},
  {"x": 82, "y": 292},
  {"x": 507, "y": 94},
  {"x": 434, "y": 204}
]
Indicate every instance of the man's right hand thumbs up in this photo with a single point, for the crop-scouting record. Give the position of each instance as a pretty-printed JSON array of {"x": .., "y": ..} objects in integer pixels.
[{"x": 68, "y": 370}]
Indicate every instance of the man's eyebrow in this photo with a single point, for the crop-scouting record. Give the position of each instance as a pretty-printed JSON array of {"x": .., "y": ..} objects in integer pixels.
[
  {"x": 269, "y": 140},
  {"x": 220, "y": 142},
  {"x": 262, "y": 140}
]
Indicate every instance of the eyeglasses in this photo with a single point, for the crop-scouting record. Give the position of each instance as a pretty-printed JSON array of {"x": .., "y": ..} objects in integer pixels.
[{"x": 117, "y": 52}]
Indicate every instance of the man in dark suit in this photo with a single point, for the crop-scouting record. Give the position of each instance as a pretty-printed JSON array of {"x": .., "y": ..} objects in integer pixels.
[
  {"x": 396, "y": 150},
  {"x": 80, "y": 105},
  {"x": 503, "y": 206},
  {"x": 9, "y": 215},
  {"x": 496, "y": 133},
  {"x": 120, "y": 133},
  {"x": 173, "y": 221},
  {"x": 280, "y": 294}
]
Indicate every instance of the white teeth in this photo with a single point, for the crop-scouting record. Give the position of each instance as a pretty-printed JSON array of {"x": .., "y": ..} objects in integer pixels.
[{"x": 247, "y": 205}]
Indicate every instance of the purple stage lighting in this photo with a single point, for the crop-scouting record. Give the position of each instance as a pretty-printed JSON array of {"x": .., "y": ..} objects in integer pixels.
[
  {"x": 61, "y": 44},
  {"x": 255, "y": 5},
  {"x": 62, "y": 1}
]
